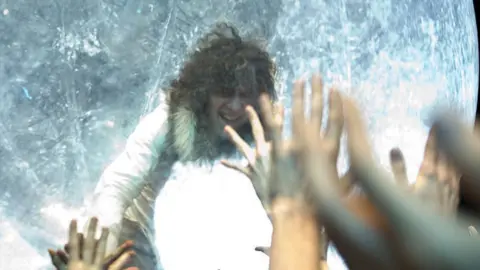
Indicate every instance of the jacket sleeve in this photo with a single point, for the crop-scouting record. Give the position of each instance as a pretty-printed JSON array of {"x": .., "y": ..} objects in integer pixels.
[{"x": 123, "y": 180}]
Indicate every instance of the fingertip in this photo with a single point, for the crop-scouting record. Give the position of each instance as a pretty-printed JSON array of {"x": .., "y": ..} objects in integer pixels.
[
  {"x": 93, "y": 220},
  {"x": 317, "y": 78},
  {"x": 300, "y": 82},
  {"x": 396, "y": 154},
  {"x": 129, "y": 243},
  {"x": 227, "y": 129},
  {"x": 264, "y": 98},
  {"x": 105, "y": 231},
  {"x": 73, "y": 223},
  {"x": 226, "y": 163},
  {"x": 73, "y": 227},
  {"x": 335, "y": 94}
]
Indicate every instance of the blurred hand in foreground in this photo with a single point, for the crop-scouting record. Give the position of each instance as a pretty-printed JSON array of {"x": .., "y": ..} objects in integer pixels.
[{"x": 88, "y": 253}]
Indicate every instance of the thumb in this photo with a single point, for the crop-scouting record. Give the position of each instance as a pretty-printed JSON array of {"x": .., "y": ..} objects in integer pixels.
[{"x": 56, "y": 261}]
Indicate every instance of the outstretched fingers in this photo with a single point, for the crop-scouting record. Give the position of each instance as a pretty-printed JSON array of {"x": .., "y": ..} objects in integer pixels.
[
  {"x": 461, "y": 145},
  {"x": 241, "y": 145},
  {"x": 398, "y": 208},
  {"x": 272, "y": 123}
]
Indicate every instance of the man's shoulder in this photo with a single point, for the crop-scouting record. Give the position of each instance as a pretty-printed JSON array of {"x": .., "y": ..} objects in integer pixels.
[{"x": 153, "y": 126}]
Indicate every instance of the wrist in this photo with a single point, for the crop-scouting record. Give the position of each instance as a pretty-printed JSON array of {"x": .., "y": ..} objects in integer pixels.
[{"x": 283, "y": 207}]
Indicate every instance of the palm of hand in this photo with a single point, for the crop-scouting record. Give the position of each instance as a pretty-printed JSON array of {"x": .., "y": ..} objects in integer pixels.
[{"x": 437, "y": 183}]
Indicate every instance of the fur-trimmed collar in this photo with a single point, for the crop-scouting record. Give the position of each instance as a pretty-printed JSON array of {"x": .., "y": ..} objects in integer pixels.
[{"x": 191, "y": 139}]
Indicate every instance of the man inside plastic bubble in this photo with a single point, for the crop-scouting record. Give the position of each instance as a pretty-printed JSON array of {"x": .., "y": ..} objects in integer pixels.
[
  {"x": 223, "y": 75},
  {"x": 390, "y": 225}
]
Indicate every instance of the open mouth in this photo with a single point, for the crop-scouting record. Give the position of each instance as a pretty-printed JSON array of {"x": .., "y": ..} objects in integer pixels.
[{"x": 231, "y": 117}]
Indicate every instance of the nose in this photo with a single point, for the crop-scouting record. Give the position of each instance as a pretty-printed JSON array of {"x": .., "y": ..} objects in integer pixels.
[{"x": 236, "y": 104}]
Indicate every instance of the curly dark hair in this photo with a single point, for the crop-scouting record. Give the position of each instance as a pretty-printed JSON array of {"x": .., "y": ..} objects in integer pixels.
[{"x": 223, "y": 63}]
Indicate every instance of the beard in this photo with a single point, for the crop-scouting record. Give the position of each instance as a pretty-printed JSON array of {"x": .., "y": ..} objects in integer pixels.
[{"x": 226, "y": 148}]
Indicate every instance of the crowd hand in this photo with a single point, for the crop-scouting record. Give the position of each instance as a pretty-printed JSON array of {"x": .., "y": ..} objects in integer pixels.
[
  {"x": 437, "y": 183},
  {"x": 319, "y": 152},
  {"x": 296, "y": 233},
  {"x": 88, "y": 253},
  {"x": 463, "y": 146},
  {"x": 329, "y": 142},
  {"x": 418, "y": 238}
]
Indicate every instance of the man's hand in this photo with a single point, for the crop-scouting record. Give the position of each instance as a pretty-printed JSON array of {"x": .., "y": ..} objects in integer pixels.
[
  {"x": 88, "y": 253},
  {"x": 258, "y": 159}
]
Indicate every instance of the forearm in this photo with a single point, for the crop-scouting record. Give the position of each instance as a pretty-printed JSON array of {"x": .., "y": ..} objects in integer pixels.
[
  {"x": 115, "y": 192},
  {"x": 295, "y": 239},
  {"x": 125, "y": 178}
]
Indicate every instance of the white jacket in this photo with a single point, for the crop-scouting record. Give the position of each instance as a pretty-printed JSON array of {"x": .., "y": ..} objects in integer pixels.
[{"x": 130, "y": 185}]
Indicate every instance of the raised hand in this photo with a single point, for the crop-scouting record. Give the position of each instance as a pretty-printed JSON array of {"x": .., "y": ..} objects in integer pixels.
[
  {"x": 437, "y": 183},
  {"x": 88, "y": 253},
  {"x": 296, "y": 234},
  {"x": 418, "y": 238},
  {"x": 463, "y": 147}
]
